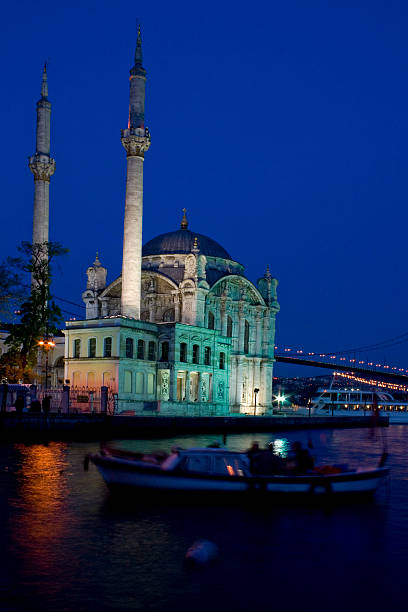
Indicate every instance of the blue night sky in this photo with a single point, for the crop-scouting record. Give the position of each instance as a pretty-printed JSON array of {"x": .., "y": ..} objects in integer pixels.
[{"x": 282, "y": 127}]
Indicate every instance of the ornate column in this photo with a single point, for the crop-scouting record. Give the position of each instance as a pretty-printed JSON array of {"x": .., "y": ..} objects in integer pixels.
[
  {"x": 265, "y": 343},
  {"x": 188, "y": 398},
  {"x": 173, "y": 385},
  {"x": 238, "y": 381},
  {"x": 241, "y": 327},
  {"x": 266, "y": 385},
  {"x": 258, "y": 323},
  {"x": 136, "y": 141},
  {"x": 176, "y": 299}
]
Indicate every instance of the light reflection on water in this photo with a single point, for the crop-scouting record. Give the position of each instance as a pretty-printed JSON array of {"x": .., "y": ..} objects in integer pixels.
[{"x": 71, "y": 545}]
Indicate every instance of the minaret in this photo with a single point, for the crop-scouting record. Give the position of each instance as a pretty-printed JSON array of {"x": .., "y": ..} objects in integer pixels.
[
  {"x": 42, "y": 165},
  {"x": 136, "y": 140}
]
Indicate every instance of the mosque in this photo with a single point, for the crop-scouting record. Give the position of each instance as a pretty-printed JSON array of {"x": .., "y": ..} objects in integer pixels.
[{"x": 182, "y": 330}]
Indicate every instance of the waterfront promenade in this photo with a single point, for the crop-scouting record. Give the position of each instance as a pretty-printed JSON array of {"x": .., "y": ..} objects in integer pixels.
[{"x": 85, "y": 427}]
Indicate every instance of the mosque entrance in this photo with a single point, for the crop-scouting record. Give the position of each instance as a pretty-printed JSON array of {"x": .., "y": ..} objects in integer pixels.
[{"x": 181, "y": 386}]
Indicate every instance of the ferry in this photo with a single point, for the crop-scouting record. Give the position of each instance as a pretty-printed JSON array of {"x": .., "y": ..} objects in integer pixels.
[{"x": 356, "y": 401}]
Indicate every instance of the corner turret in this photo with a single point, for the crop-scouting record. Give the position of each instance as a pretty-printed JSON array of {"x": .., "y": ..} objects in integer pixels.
[{"x": 95, "y": 285}]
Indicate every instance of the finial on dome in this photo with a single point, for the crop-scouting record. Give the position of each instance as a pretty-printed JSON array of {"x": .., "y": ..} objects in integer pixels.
[
  {"x": 184, "y": 222},
  {"x": 97, "y": 262},
  {"x": 195, "y": 248},
  {"x": 268, "y": 273}
]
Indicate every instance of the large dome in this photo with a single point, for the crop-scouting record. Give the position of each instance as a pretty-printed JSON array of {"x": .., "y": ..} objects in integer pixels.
[{"x": 182, "y": 241}]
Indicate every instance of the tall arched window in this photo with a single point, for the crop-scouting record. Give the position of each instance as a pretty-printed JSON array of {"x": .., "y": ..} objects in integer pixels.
[
  {"x": 152, "y": 351},
  {"x": 183, "y": 351},
  {"x": 229, "y": 327},
  {"x": 164, "y": 351},
  {"x": 196, "y": 353},
  {"x": 77, "y": 348},
  {"x": 129, "y": 348},
  {"x": 246, "y": 337},
  {"x": 210, "y": 320},
  {"x": 222, "y": 361},
  {"x": 169, "y": 315},
  {"x": 92, "y": 347},
  {"x": 140, "y": 349},
  {"x": 207, "y": 355},
  {"x": 107, "y": 347}
]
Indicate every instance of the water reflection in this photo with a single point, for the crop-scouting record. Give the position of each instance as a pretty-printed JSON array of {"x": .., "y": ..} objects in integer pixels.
[
  {"x": 41, "y": 518},
  {"x": 74, "y": 546}
]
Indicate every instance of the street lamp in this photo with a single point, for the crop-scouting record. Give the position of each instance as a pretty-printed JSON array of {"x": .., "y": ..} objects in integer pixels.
[
  {"x": 256, "y": 391},
  {"x": 46, "y": 344},
  {"x": 280, "y": 399}
]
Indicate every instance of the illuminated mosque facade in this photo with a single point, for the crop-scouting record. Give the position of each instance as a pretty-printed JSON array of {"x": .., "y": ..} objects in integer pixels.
[{"x": 181, "y": 330}]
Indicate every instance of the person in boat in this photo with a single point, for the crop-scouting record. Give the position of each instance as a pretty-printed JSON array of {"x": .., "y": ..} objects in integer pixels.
[
  {"x": 264, "y": 461},
  {"x": 300, "y": 460}
]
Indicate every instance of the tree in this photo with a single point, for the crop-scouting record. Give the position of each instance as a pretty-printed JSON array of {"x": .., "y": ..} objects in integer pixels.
[
  {"x": 39, "y": 315},
  {"x": 12, "y": 292}
]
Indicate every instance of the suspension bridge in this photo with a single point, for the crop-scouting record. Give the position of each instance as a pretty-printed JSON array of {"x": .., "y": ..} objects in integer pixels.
[{"x": 347, "y": 363}]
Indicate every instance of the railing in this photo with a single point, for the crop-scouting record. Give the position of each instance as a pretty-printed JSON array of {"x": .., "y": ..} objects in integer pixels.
[{"x": 79, "y": 400}]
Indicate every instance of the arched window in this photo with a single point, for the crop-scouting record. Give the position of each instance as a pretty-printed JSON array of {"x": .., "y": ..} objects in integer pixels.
[
  {"x": 150, "y": 384},
  {"x": 129, "y": 348},
  {"x": 76, "y": 379},
  {"x": 229, "y": 327},
  {"x": 207, "y": 355},
  {"x": 246, "y": 337},
  {"x": 222, "y": 361},
  {"x": 107, "y": 378},
  {"x": 107, "y": 347},
  {"x": 169, "y": 315},
  {"x": 152, "y": 351},
  {"x": 164, "y": 351},
  {"x": 210, "y": 320},
  {"x": 77, "y": 348},
  {"x": 183, "y": 351},
  {"x": 139, "y": 383},
  {"x": 127, "y": 381},
  {"x": 140, "y": 349},
  {"x": 92, "y": 347},
  {"x": 196, "y": 353}
]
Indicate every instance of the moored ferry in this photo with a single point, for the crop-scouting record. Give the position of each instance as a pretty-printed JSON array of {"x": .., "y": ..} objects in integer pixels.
[{"x": 356, "y": 401}]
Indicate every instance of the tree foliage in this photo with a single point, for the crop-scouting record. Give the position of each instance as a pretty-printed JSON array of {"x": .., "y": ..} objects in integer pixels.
[
  {"x": 12, "y": 292},
  {"x": 39, "y": 314}
]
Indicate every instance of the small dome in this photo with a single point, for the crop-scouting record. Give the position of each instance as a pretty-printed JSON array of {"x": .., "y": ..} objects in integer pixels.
[{"x": 182, "y": 241}]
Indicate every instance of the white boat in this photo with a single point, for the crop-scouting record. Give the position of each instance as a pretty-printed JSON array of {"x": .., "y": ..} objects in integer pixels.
[
  {"x": 358, "y": 402},
  {"x": 221, "y": 470}
]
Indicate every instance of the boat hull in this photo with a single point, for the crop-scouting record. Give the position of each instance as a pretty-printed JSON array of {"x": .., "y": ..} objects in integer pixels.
[{"x": 124, "y": 474}]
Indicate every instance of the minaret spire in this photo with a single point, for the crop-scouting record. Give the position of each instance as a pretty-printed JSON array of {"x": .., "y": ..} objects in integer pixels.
[
  {"x": 136, "y": 140},
  {"x": 44, "y": 87},
  {"x": 42, "y": 165},
  {"x": 138, "y": 51}
]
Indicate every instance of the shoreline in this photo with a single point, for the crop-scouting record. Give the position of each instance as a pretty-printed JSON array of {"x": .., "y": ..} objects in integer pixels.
[{"x": 100, "y": 427}]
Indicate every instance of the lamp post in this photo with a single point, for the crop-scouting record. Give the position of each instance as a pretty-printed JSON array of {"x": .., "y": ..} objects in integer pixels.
[
  {"x": 256, "y": 391},
  {"x": 46, "y": 344}
]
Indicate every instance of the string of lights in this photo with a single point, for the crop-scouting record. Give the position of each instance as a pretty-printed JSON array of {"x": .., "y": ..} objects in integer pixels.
[
  {"x": 372, "y": 382},
  {"x": 300, "y": 353}
]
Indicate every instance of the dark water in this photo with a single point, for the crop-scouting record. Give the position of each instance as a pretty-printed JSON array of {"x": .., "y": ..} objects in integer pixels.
[{"x": 67, "y": 544}]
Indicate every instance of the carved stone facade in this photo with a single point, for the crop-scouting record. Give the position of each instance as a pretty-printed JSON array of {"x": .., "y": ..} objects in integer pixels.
[{"x": 237, "y": 314}]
